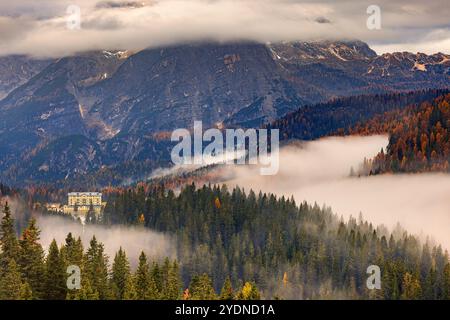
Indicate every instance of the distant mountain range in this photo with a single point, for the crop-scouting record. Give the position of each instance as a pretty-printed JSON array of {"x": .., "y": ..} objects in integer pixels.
[{"x": 84, "y": 113}]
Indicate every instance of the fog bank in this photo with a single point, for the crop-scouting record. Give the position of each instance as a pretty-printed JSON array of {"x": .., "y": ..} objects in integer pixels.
[
  {"x": 133, "y": 240},
  {"x": 319, "y": 172}
]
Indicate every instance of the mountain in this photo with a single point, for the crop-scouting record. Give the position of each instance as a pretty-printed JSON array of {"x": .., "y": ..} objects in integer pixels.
[
  {"x": 118, "y": 103},
  {"x": 46, "y": 107},
  {"x": 16, "y": 70},
  {"x": 163, "y": 89}
]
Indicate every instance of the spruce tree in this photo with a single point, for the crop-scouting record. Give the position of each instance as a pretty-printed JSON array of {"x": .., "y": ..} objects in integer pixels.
[
  {"x": 201, "y": 288},
  {"x": 142, "y": 278},
  {"x": 173, "y": 289},
  {"x": 73, "y": 251},
  {"x": 11, "y": 287},
  {"x": 55, "y": 276},
  {"x": 129, "y": 292},
  {"x": 27, "y": 293},
  {"x": 227, "y": 290},
  {"x": 31, "y": 259},
  {"x": 155, "y": 288},
  {"x": 86, "y": 292},
  {"x": 446, "y": 282},
  {"x": 96, "y": 269},
  {"x": 120, "y": 274},
  {"x": 8, "y": 240}
]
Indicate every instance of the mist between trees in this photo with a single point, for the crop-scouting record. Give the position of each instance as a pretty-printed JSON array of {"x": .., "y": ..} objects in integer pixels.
[
  {"x": 283, "y": 249},
  {"x": 273, "y": 247}
]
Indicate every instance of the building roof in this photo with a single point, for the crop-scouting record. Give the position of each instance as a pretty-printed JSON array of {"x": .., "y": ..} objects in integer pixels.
[{"x": 84, "y": 194}]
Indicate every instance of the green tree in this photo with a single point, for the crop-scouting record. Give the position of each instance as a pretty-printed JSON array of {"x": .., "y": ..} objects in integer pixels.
[
  {"x": 96, "y": 269},
  {"x": 429, "y": 290},
  {"x": 120, "y": 274},
  {"x": 446, "y": 282},
  {"x": 155, "y": 287},
  {"x": 142, "y": 278},
  {"x": 8, "y": 240},
  {"x": 72, "y": 251},
  {"x": 129, "y": 292},
  {"x": 201, "y": 288},
  {"x": 173, "y": 289},
  {"x": 86, "y": 292},
  {"x": 55, "y": 275},
  {"x": 11, "y": 287},
  {"x": 227, "y": 292},
  {"x": 31, "y": 259}
]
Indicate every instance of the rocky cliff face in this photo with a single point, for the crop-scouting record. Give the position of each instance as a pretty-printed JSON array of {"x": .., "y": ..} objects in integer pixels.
[{"x": 163, "y": 89}]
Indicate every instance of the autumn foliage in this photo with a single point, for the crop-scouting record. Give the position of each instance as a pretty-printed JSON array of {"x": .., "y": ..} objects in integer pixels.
[{"x": 419, "y": 138}]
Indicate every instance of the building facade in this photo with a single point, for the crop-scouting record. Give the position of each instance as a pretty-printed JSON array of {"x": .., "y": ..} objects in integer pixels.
[{"x": 82, "y": 202}]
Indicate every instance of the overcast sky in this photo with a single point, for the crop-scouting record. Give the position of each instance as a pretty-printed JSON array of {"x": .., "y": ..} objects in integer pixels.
[{"x": 40, "y": 27}]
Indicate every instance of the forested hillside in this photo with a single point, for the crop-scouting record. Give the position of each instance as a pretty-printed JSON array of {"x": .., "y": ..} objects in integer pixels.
[
  {"x": 315, "y": 121},
  {"x": 419, "y": 138},
  {"x": 260, "y": 245},
  {"x": 288, "y": 250}
]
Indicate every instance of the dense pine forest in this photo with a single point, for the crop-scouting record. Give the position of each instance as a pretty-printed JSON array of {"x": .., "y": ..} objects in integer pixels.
[
  {"x": 338, "y": 115},
  {"x": 230, "y": 245},
  {"x": 257, "y": 243},
  {"x": 27, "y": 273},
  {"x": 419, "y": 138},
  {"x": 287, "y": 250}
]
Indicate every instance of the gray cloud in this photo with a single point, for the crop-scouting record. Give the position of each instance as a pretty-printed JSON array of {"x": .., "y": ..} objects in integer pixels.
[
  {"x": 120, "y": 4},
  {"x": 406, "y": 25},
  {"x": 14, "y": 29},
  {"x": 322, "y": 20}
]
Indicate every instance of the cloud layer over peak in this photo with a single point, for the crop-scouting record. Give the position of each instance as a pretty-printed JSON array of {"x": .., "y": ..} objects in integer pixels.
[{"x": 40, "y": 29}]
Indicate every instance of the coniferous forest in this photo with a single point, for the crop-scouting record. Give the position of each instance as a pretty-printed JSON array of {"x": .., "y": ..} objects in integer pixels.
[
  {"x": 419, "y": 138},
  {"x": 231, "y": 244},
  {"x": 340, "y": 115}
]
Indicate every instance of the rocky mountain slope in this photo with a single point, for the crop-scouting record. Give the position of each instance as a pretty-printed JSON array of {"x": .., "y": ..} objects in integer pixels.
[
  {"x": 16, "y": 70},
  {"x": 105, "y": 108}
]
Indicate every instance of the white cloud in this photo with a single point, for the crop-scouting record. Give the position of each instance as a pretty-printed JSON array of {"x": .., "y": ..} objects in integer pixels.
[
  {"x": 319, "y": 172},
  {"x": 136, "y": 25}
]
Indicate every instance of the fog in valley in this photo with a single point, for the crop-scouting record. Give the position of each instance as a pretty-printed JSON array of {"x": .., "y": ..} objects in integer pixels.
[
  {"x": 133, "y": 240},
  {"x": 318, "y": 171}
]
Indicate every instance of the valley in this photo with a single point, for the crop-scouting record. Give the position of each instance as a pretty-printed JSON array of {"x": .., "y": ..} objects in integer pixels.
[{"x": 349, "y": 192}]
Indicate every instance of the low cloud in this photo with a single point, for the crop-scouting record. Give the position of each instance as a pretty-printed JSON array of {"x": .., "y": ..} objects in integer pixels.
[
  {"x": 133, "y": 240},
  {"x": 319, "y": 172},
  {"x": 136, "y": 25}
]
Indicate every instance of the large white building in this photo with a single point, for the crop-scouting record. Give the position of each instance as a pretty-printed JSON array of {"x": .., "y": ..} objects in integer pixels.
[{"x": 82, "y": 202}]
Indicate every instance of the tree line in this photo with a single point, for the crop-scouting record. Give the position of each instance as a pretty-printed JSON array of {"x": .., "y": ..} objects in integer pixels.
[
  {"x": 340, "y": 115},
  {"x": 27, "y": 273},
  {"x": 419, "y": 138},
  {"x": 287, "y": 250}
]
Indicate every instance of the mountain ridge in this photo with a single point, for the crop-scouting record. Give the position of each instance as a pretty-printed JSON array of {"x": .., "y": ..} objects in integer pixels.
[{"x": 119, "y": 100}]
